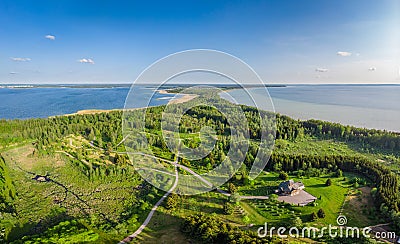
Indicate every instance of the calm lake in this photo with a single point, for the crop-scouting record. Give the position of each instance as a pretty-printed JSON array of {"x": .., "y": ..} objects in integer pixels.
[{"x": 370, "y": 106}]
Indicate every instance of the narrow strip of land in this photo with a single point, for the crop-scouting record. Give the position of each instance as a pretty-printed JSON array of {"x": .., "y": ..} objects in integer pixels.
[{"x": 183, "y": 99}]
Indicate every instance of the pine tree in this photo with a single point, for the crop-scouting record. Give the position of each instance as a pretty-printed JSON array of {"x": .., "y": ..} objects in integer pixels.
[
  {"x": 314, "y": 216},
  {"x": 328, "y": 182},
  {"x": 321, "y": 213}
]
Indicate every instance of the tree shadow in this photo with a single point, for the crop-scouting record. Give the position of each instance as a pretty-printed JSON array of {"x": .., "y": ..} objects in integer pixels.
[
  {"x": 321, "y": 185},
  {"x": 38, "y": 227}
]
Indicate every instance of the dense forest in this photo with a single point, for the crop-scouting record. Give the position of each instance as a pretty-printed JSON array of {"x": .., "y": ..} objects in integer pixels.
[{"x": 211, "y": 230}]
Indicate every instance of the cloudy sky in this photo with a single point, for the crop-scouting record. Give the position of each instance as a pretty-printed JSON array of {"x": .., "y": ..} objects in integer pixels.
[{"x": 297, "y": 41}]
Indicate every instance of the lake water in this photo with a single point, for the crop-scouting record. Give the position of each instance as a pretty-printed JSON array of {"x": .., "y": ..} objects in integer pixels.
[
  {"x": 370, "y": 106},
  {"x": 22, "y": 103}
]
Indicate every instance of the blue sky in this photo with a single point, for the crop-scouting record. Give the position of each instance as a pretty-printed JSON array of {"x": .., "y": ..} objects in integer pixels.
[{"x": 298, "y": 41}]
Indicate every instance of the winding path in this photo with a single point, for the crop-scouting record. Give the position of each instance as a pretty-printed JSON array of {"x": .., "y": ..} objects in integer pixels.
[{"x": 146, "y": 222}]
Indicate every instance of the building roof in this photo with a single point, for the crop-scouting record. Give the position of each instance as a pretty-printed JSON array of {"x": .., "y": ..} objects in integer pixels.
[{"x": 290, "y": 185}]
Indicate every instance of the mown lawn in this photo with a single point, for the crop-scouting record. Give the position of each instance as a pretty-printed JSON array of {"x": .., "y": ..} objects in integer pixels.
[{"x": 330, "y": 199}]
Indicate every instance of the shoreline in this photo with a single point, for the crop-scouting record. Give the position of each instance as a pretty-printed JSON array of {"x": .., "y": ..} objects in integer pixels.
[{"x": 183, "y": 99}]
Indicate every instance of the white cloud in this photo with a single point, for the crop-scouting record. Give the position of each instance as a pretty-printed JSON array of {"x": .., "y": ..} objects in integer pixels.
[
  {"x": 372, "y": 69},
  {"x": 20, "y": 59},
  {"x": 344, "y": 54},
  {"x": 50, "y": 37},
  {"x": 321, "y": 70},
  {"x": 86, "y": 61}
]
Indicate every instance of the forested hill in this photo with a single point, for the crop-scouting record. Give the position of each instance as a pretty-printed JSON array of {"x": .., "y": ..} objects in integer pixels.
[{"x": 105, "y": 130}]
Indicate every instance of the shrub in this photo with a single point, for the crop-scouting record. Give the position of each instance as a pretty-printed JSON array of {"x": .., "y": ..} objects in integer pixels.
[
  {"x": 313, "y": 216},
  {"x": 328, "y": 182},
  {"x": 295, "y": 222},
  {"x": 273, "y": 197},
  {"x": 172, "y": 201},
  {"x": 246, "y": 219},
  {"x": 373, "y": 191},
  {"x": 283, "y": 176},
  {"x": 321, "y": 213},
  {"x": 228, "y": 208},
  {"x": 231, "y": 187}
]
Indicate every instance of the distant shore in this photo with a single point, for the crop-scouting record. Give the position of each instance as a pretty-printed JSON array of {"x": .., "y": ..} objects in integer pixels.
[{"x": 183, "y": 99}]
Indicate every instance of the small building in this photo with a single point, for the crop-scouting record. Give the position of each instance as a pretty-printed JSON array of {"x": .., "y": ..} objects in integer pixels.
[
  {"x": 41, "y": 178},
  {"x": 290, "y": 188}
]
